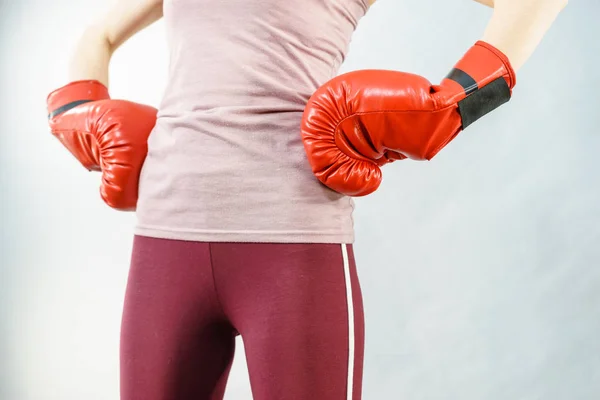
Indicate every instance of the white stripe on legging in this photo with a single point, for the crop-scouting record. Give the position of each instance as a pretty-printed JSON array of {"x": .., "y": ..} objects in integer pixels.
[{"x": 350, "y": 321}]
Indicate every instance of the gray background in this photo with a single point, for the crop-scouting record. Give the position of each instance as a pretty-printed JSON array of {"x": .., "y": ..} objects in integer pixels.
[{"x": 480, "y": 270}]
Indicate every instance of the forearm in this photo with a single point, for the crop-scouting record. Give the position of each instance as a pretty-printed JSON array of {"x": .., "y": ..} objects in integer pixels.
[
  {"x": 517, "y": 32},
  {"x": 489, "y": 3},
  {"x": 91, "y": 57}
]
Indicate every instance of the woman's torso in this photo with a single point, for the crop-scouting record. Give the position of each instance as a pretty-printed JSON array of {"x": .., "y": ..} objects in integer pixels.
[{"x": 225, "y": 160}]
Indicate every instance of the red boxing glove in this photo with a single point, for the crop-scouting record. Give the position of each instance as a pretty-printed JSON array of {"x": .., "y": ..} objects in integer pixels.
[
  {"x": 104, "y": 135},
  {"x": 362, "y": 120}
]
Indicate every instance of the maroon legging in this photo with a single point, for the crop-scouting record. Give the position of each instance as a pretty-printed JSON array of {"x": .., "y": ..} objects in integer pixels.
[{"x": 298, "y": 308}]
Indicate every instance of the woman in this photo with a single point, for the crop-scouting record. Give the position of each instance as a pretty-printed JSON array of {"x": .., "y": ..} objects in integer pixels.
[{"x": 235, "y": 236}]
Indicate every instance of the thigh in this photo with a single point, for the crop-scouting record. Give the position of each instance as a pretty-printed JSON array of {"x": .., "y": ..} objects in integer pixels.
[
  {"x": 299, "y": 310},
  {"x": 175, "y": 343}
]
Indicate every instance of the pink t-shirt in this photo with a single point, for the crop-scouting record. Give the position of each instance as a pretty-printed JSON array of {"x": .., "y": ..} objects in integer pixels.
[{"x": 225, "y": 161}]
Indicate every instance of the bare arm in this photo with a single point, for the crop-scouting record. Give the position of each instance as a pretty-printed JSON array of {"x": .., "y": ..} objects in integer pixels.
[
  {"x": 99, "y": 41},
  {"x": 518, "y": 26},
  {"x": 489, "y": 3}
]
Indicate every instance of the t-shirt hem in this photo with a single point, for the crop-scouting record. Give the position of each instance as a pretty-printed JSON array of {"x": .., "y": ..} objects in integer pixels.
[{"x": 246, "y": 236}]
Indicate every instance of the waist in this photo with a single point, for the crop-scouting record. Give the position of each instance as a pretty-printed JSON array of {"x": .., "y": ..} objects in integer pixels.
[
  {"x": 234, "y": 95},
  {"x": 217, "y": 138}
]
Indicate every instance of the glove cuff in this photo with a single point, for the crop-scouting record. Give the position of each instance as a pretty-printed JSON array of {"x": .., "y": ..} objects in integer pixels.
[
  {"x": 74, "y": 94},
  {"x": 480, "y": 82},
  {"x": 481, "y": 65},
  {"x": 509, "y": 73}
]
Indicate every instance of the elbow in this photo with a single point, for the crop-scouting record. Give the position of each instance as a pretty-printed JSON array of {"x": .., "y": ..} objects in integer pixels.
[{"x": 95, "y": 37}]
